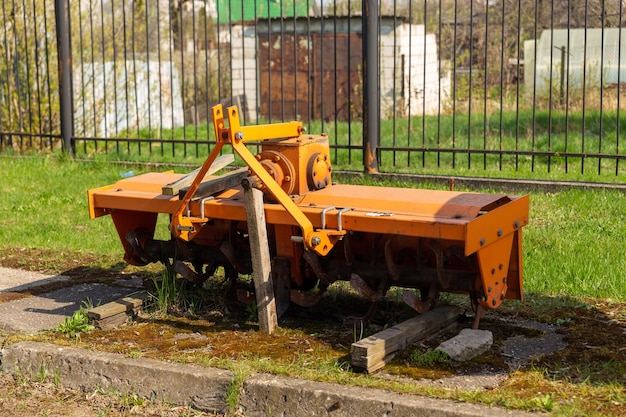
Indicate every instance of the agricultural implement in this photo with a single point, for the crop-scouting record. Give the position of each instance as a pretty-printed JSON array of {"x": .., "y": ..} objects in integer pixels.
[{"x": 426, "y": 241}]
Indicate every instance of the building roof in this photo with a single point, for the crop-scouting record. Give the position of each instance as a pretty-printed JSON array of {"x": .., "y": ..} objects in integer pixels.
[{"x": 232, "y": 11}]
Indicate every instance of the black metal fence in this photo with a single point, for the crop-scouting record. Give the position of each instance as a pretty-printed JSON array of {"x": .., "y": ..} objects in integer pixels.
[{"x": 442, "y": 86}]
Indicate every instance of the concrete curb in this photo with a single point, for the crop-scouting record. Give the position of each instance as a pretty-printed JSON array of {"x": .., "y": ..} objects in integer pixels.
[
  {"x": 202, "y": 388},
  {"x": 207, "y": 388}
]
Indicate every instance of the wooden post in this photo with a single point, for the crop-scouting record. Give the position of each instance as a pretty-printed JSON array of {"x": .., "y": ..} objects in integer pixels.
[{"x": 261, "y": 265}]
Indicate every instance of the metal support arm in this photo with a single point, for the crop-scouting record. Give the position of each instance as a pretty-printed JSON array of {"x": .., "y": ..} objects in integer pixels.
[{"x": 321, "y": 241}]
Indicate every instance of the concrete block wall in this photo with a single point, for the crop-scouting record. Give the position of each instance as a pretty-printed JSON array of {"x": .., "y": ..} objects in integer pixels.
[{"x": 244, "y": 67}]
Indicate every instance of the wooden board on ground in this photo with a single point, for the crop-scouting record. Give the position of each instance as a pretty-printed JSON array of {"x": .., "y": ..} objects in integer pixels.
[
  {"x": 372, "y": 353},
  {"x": 220, "y": 162},
  {"x": 111, "y": 315},
  {"x": 217, "y": 184}
]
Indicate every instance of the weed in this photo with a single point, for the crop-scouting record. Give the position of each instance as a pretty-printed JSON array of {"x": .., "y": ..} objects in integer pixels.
[
  {"x": 360, "y": 331},
  {"x": 132, "y": 400},
  {"x": 42, "y": 373},
  {"x": 241, "y": 372},
  {"x": 429, "y": 359},
  {"x": 78, "y": 323},
  {"x": 251, "y": 309},
  {"x": 134, "y": 354},
  {"x": 544, "y": 402},
  {"x": 56, "y": 378},
  {"x": 102, "y": 412},
  {"x": 168, "y": 290}
]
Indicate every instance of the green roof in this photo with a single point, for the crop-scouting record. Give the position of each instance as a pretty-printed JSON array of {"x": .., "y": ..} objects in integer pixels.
[{"x": 230, "y": 11}]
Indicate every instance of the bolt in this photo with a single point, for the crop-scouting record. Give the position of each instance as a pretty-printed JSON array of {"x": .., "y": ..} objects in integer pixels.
[
  {"x": 316, "y": 241},
  {"x": 493, "y": 271},
  {"x": 516, "y": 224},
  {"x": 500, "y": 267},
  {"x": 482, "y": 241},
  {"x": 493, "y": 303},
  {"x": 239, "y": 135},
  {"x": 505, "y": 280},
  {"x": 258, "y": 157},
  {"x": 489, "y": 289},
  {"x": 287, "y": 178},
  {"x": 276, "y": 158},
  {"x": 499, "y": 232}
]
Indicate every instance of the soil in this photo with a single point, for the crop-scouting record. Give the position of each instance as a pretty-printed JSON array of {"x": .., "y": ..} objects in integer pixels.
[{"x": 572, "y": 340}]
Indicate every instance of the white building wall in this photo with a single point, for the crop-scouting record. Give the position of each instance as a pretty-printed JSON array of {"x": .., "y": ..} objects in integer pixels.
[
  {"x": 244, "y": 68},
  {"x": 418, "y": 87},
  {"x": 110, "y": 98}
]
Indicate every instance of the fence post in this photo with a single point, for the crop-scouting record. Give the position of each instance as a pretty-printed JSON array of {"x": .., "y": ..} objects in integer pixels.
[
  {"x": 66, "y": 96},
  {"x": 371, "y": 133}
]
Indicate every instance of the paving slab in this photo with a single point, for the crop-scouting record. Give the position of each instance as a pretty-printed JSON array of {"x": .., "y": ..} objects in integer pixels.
[
  {"x": 14, "y": 280},
  {"x": 32, "y": 314}
]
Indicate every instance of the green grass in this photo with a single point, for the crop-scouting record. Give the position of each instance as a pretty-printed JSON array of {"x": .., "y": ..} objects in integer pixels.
[
  {"x": 444, "y": 142},
  {"x": 573, "y": 246}
]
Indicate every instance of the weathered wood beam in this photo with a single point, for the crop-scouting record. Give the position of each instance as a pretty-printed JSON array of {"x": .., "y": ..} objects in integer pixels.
[
  {"x": 220, "y": 162},
  {"x": 372, "y": 353},
  {"x": 261, "y": 263},
  {"x": 217, "y": 184}
]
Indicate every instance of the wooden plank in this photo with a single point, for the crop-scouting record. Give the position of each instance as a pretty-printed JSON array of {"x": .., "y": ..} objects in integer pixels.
[
  {"x": 372, "y": 353},
  {"x": 217, "y": 184},
  {"x": 220, "y": 162},
  {"x": 111, "y": 322},
  {"x": 121, "y": 305},
  {"x": 261, "y": 265}
]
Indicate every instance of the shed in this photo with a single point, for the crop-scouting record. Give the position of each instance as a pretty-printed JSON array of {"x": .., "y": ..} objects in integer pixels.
[{"x": 310, "y": 68}]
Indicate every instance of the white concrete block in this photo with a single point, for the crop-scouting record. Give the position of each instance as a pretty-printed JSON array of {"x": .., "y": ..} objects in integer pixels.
[{"x": 467, "y": 344}]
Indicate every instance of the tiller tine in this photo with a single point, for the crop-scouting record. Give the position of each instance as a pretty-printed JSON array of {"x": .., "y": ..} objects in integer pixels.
[
  {"x": 189, "y": 274},
  {"x": 305, "y": 300},
  {"x": 229, "y": 252},
  {"x": 365, "y": 290},
  {"x": 415, "y": 303},
  {"x": 362, "y": 320},
  {"x": 391, "y": 265},
  {"x": 436, "y": 248}
]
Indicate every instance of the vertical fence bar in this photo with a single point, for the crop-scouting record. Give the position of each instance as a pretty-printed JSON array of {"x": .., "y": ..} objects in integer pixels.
[
  {"x": 370, "y": 86},
  {"x": 502, "y": 57},
  {"x": 584, "y": 107},
  {"x": 619, "y": 87},
  {"x": 602, "y": 40},
  {"x": 485, "y": 72},
  {"x": 65, "y": 75}
]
